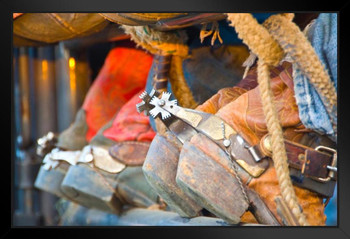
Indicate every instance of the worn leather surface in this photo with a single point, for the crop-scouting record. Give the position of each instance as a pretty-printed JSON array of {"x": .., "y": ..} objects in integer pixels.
[
  {"x": 209, "y": 183},
  {"x": 163, "y": 21},
  {"x": 309, "y": 161},
  {"x": 227, "y": 95},
  {"x": 245, "y": 114},
  {"x": 160, "y": 168},
  {"x": 107, "y": 191},
  {"x": 54, "y": 27},
  {"x": 267, "y": 187},
  {"x": 130, "y": 153},
  {"x": 316, "y": 162},
  {"x": 161, "y": 72},
  {"x": 136, "y": 19}
]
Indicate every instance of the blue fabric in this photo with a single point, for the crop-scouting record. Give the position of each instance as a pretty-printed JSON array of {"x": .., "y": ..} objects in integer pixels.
[
  {"x": 323, "y": 37},
  {"x": 331, "y": 210}
]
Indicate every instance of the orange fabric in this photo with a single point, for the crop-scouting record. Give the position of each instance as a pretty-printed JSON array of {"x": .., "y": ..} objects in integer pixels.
[
  {"x": 129, "y": 125},
  {"x": 15, "y": 15},
  {"x": 245, "y": 114},
  {"x": 123, "y": 74}
]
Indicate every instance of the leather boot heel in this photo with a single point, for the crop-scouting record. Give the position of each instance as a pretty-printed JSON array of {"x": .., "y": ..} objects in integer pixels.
[
  {"x": 92, "y": 189},
  {"x": 210, "y": 179},
  {"x": 160, "y": 169}
]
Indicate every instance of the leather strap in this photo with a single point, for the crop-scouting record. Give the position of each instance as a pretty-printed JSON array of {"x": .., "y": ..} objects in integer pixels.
[
  {"x": 313, "y": 169},
  {"x": 310, "y": 162},
  {"x": 161, "y": 72},
  {"x": 130, "y": 153}
]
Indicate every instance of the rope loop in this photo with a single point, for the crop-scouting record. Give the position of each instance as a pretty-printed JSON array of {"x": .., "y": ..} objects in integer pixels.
[
  {"x": 299, "y": 49},
  {"x": 256, "y": 37},
  {"x": 269, "y": 53}
]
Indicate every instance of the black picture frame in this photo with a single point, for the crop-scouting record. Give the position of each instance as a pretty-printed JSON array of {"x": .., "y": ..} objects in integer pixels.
[{"x": 341, "y": 7}]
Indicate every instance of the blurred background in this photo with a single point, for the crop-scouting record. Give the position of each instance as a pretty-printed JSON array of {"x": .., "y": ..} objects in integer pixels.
[{"x": 50, "y": 83}]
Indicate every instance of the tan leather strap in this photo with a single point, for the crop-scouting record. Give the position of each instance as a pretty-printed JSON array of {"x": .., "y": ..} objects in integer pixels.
[
  {"x": 130, "y": 153},
  {"x": 161, "y": 72}
]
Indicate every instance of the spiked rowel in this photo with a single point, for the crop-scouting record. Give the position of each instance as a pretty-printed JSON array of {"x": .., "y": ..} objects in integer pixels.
[
  {"x": 144, "y": 105},
  {"x": 160, "y": 103}
]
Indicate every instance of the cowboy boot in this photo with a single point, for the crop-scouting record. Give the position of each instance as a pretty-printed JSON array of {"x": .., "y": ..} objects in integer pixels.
[
  {"x": 108, "y": 173},
  {"x": 223, "y": 63},
  {"x": 245, "y": 116},
  {"x": 105, "y": 97}
]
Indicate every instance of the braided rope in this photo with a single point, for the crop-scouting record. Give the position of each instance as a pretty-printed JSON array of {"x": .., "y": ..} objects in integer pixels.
[
  {"x": 256, "y": 37},
  {"x": 279, "y": 155},
  {"x": 295, "y": 43},
  {"x": 269, "y": 52}
]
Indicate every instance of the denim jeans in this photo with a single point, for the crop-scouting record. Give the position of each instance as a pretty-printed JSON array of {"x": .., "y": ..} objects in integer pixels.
[{"x": 323, "y": 36}]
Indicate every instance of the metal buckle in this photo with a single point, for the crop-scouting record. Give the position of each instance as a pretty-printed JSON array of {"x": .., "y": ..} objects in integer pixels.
[
  {"x": 333, "y": 167},
  {"x": 257, "y": 157}
]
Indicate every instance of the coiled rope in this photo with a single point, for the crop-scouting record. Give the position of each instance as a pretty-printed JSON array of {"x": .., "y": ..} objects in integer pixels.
[
  {"x": 269, "y": 53},
  {"x": 299, "y": 49}
]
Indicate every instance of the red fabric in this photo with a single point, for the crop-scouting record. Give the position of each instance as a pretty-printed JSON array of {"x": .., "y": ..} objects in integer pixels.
[
  {"x": 123, "y": 74},
  {"x": 129, "y": 125}
]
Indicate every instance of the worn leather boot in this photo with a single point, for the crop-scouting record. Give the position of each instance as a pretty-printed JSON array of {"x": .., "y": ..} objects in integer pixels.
[
  {"x": 124, "y": 73},
  {"x": 223, "y": 64},
  {"x": 242, "y": 110},
  {"x": 108, "y": 173},
  {"x": 123, "y": 66}
]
